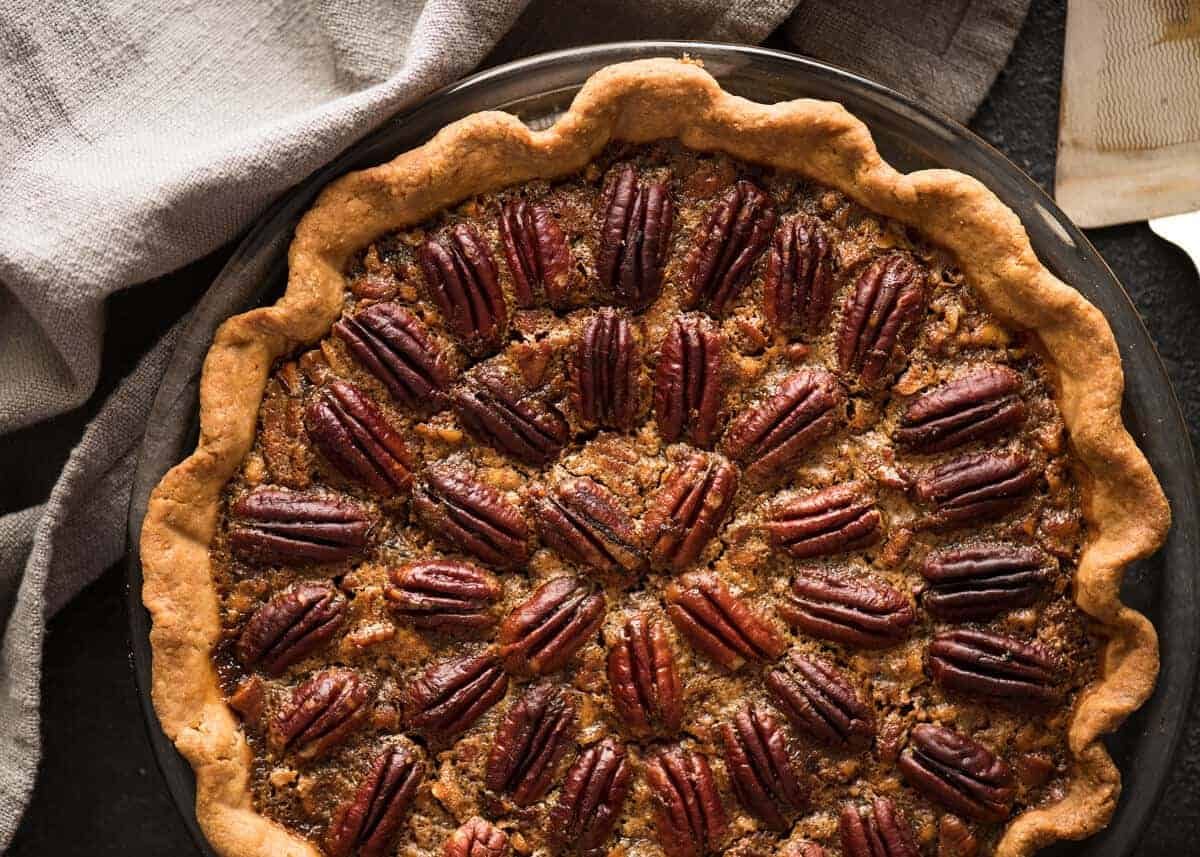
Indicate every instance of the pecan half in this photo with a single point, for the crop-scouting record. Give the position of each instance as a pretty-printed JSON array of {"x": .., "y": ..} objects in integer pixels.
[
  {"x": 728, "y": 243},
  {"x": 833, "y": 520},
  {"x": 878, "y": 830},
  {"x": 529, "y": 744},
  {"x": 819, "y": 700},
  {"x": 288, "y": 458},
  {"x": 370, "y": 820},
  {"x": 771, "y": 434},
  {"x": 884, "y": 305},
  {"x": 322, "y": 711},
  {"x": 846, "y": 608},
  {"x": 274, "y": 525},
  {"x": 644, "y": 680},
  {"x": 249, "y": 699},
  {"x": 471, "y": 516},
  {"x": 541, "y": 634},
  {"x": 719, "y": 623},
  {"x": 537, "y": 253},
  {"x": 959, "y": 772},
  {"x": 689, "y": 509},
  {"x": 352, "y": 432},
  {"x": 762, "y": 767},
  {"x": 461, "y": 277},
  {"x": 982, "y": 580},
  {"x": 476, "y": 838},
  {"x": 606, "y": 370},
  {"x": 292, "y": 624},
  {"x": 500, "y": 412},
  {"x": 688, "y": 381},
  {"x": 688, "y": 811},
  {"x": 977, "y": 487},
  {"x": 395, "y": 346},
  {"x": 955, "y": 839},
  {"x": 798, "y": 286},
  {"x": 995, "y": 665},
  {"x": 1033, "y": 769},
  {"x": 444, "y": 595},
  {"x": 582, "y": 522},
  {"x": 451, "y": 695},
  {"x": 982, "y": 403},
  {"x": 635, "y": 236},
  {"x": 591, "y": 798}
]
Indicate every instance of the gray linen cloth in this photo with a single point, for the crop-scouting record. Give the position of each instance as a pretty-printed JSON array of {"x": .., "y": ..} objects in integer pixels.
[{"x": 136, "y": 136}]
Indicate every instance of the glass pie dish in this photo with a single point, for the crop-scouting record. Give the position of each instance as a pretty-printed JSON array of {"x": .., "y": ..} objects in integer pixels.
[{"x": 536, "y": 90}]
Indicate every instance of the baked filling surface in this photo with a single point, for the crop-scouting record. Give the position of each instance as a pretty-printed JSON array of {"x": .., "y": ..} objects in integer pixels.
[{"x": 732, "y": 476}]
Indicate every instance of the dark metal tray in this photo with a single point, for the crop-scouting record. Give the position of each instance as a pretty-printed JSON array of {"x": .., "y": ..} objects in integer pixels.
[{"x": 911, "y": 137}]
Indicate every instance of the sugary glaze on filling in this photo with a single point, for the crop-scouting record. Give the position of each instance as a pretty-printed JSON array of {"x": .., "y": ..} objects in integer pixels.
[{"x": 791, "y": 572}]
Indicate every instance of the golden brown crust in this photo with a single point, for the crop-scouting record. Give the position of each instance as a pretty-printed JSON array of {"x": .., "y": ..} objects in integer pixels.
[{"x": 1126, "y": 511}]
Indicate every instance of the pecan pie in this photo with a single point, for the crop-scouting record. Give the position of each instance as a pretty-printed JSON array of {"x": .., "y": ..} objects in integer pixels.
[{"x": 678, "y": 480}]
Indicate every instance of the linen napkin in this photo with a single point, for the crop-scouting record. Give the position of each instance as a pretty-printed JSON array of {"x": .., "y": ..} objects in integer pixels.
[{"x": 136, "y": 136}]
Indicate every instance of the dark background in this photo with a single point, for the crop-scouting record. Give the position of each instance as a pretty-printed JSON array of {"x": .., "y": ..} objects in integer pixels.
[{"x": 99, "y": 792}]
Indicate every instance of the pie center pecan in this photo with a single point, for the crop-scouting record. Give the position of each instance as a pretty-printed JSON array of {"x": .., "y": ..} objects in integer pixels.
[{"x": 664, "y": 510}]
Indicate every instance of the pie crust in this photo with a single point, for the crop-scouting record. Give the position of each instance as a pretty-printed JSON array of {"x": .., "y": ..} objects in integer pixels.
[{"x": 1124, "y": 508}]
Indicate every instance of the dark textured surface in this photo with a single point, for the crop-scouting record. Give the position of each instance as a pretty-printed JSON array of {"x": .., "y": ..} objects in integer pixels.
[{"x": 99, "y": 792}]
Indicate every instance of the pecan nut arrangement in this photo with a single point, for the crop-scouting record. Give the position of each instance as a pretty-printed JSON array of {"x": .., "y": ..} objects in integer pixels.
[{"x": 655, "y": 501}]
